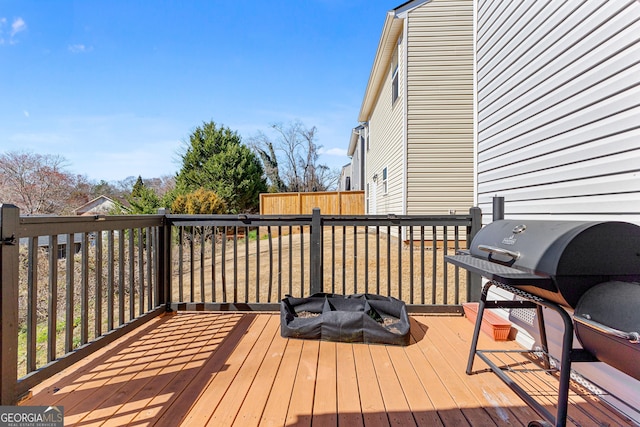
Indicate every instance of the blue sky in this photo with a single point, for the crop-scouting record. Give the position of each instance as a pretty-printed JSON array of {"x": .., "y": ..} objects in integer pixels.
[{"x": 117, "y": 86}]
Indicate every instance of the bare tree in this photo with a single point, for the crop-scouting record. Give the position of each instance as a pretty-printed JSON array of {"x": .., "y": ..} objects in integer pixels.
[
  {"x": 36, "y": 183},
  {"x": 299, "y": 169},
  {"x": 264, "y": 147},
  {"x": 162, "y": 185}
]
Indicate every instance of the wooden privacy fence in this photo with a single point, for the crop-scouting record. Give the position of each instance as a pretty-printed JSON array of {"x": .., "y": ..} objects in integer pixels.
[{"x": 329, "y": 203}]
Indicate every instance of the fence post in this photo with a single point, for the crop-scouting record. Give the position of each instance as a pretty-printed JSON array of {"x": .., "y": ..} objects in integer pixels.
[
  {"x": 163, "y": 256},
  {"x": 316, "y": 252},
  {"x": 9, "y": 259},
  {"x": 474, "y": 281}
]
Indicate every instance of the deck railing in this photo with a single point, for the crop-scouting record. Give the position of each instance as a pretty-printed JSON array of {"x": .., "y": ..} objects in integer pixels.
[{"x": 71, "y": 285}]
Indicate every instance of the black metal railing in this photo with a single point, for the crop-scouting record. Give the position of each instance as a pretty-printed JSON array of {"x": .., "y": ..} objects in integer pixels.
[
  {"x": 71, "y": 285},
  {"x": 261, "y": 259}
]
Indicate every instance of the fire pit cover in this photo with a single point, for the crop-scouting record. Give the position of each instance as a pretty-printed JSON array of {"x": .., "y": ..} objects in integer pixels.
[{"x": 364, "y": 318}]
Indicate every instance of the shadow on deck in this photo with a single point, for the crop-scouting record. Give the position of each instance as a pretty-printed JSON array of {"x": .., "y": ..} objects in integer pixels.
[{"x": 235, "y": 369}]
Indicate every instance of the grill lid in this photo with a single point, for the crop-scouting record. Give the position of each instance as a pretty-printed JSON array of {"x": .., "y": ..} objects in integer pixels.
[
  {"x": 558, "y": 260},
  {"x": 562, "y": 248}
]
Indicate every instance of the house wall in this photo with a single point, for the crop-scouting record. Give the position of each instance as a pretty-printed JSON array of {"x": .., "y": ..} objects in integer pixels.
[
  {"x": 558, "y": 91},
  {"x": 558, "y": 104},
  {"x": 425, "y": 137},
  {"x": 440, "y": 107},
  {"x": 345, "y": 178},
  {"x": 386, "y": 147},
  {"x": 357, "y": 164}
]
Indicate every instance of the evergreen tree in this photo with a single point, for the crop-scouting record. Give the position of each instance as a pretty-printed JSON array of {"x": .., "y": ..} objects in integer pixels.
[
  {"x": 215, "y": 159},
  {"x": 138, "y": 187}
]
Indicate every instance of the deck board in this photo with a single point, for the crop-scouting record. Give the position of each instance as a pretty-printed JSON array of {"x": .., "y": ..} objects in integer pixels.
[
  {"x": 255, "y": 401},
  {"x": 223, "y": 369},
  {"x": 494, "y": 398},
  {"x": 349, "y": 412},
  {"x": 325, "y": 401},
  {"x": 371, "y": 403},
  {"x": 275, "y": 411}
]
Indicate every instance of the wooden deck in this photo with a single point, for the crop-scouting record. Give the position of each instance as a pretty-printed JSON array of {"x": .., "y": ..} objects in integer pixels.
[{"x": 223, "y": 369}]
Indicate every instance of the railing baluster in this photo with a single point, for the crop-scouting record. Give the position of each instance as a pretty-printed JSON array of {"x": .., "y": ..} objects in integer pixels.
[
  {"x": 422, "y": 264},
  {"x": 192, "y": 282},
  {"x": 213, "y": 262},
  {"x": 411, "y": 264},
  {"x": 302, "y": 260},
  {"x": 132, "y": 274},
  {"x": 52, "y": 322},
  {"x": 246, "y": 264},
  {"x": 434, "y": 265},
  {"x": 121, "y": 277},
  {"x": 32, "y": 298},
  {"x": 399, "y": 262},
  {"x": 84, "y": 291},
  {"x": 257, "y": 263},
  {"x": 141, "y": 281},
  {"x": 202, "y": 256},
  {"x": 344, "y": 259},
  {"x": 355, "y": 259},
  {"x": 98, "y": 290},
  {"x": 223, "y": 264},
  {"x": 69, "y": 306},
  {"x": 279, "y": 263},
  {"x": 388, "y": 260},
  {"x": 180, "y": 263},
  {"x": 235, "y": 264},
  {"x": 110, "y": 280},
  {"x": 445, "y": 245},
  {"x": 270, "y": 286},
  {"x": 366, "y": 259},
  {"x": 333, "y": 259},
  {"x": 152, "y": 266},
  {"x": 456, "y": 269},
  {"x": 291, "y": 261},
  {"x": 377, "y": 259}
]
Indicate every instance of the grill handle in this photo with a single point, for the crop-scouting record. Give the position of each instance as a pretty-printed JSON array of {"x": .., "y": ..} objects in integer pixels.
[
  {"x": 500, "y": 251},
  {"x": 632, "y": 337}
]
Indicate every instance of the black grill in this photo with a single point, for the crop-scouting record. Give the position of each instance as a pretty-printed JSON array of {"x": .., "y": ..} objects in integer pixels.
[{"x": 592, "y": 267}]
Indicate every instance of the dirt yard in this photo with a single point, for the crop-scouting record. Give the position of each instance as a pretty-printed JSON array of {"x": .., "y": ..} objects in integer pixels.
[{"x": 271, "y": 268}]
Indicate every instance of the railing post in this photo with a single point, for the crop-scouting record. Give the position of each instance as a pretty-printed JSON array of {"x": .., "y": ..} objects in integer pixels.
[
  {"x": 316, "y": 252},
  {"x": 163, "y": 256},
  {"x": 474, "y": 281},
  {"x": 9, "y": 253}
]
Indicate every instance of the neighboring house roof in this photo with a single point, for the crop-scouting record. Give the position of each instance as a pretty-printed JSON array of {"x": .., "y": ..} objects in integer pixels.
[
  {"x": 100, "y": 206},
  {"x": 354, "y": 140},
  {"x": 391, "y": 30}
]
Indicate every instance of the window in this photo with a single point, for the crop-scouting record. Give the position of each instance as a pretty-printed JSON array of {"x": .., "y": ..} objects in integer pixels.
[
  {"x": 394, "y": 77},
  {"x": 384, "y": 181}
]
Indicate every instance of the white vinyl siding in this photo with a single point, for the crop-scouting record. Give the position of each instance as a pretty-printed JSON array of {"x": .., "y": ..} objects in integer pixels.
[
  {"x": 559, "y": 109},
  {"x": 440, "y": 107},
  {"x": 559, "y": 121},
  {"x": 386, "y": 146}
]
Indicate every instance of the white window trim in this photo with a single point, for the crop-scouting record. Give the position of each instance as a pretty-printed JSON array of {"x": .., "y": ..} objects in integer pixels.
[{"x": 385, "y": 180}]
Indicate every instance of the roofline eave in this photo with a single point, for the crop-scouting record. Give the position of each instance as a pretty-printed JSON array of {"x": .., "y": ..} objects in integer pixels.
[{"x": 390, "y": 32}]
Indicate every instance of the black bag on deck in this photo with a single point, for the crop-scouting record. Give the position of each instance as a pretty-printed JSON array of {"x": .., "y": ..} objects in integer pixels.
[{"x": 364, "y": 318}]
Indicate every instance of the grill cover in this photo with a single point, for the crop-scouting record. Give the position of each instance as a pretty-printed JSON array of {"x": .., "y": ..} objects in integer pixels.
[{"x": 556, "y": 260}]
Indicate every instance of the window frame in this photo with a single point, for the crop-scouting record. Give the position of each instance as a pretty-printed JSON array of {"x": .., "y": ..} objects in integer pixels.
[
  {"x": 385, "y": 180},
  {"x": 395, "y": 80}
]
